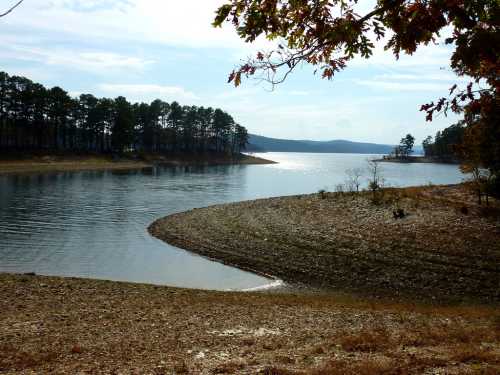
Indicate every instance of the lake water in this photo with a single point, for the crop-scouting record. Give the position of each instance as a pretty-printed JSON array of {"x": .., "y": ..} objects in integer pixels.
[{"x": 93, "y": 224}]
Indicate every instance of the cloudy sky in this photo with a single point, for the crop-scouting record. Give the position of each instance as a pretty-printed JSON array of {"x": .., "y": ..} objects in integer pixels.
[{"x": 168, "y": 49}]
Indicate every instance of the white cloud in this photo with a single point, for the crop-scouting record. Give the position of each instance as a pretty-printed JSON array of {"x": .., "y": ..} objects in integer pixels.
[
  {"x": 436, "y": 55},
  {"x": 95, "y": 61},
  {"x": 445, "y": 76},
  {"x": 145, "y": 92},
  {"x": 89, "y": 5},
  {"x": 402, "y": 81},
  {"x": 177, "y": 23},
  {"x": 273, "y": 115},
  {"x": 403, "y": 86}
]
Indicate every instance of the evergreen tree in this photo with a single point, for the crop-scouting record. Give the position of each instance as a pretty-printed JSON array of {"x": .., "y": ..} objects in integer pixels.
[{"x": 33, "y": 118}]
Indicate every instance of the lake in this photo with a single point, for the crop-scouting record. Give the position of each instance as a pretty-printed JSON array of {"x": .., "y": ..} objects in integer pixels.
[{"x": 93, "y": 224}]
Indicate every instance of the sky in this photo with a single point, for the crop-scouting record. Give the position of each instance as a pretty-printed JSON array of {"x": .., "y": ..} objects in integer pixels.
[{"x": 167, "y": 49}]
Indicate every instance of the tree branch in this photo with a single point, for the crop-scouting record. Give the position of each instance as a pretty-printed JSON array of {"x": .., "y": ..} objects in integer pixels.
[
  {"x": 11, "y": 9},
  {"x": 374, "y": 12}
]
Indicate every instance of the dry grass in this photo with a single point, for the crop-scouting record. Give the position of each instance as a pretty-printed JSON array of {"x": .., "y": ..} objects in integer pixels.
[
  {"x": 473, "y": 355},
  {"x": 52, "y": 164},
  {"x": 278, "y": 371},
  {"x": 19, "y": 360},
  {"x": 363, "y": 367},
  {"x": 403, "y": 365},
  {"x": 66, "y": 163},
  {"x": 231, "y": 367},
  {"x": 54, "y": 325},
  {"x": 371, "y": 340},
  {"x": 419, "y": 334}
]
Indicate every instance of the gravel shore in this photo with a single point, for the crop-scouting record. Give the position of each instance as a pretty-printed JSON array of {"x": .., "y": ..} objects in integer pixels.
[
  {"x": 428, "y": 284},
  {"x": 76, "y": 326},
  {"x": 346, "y": 243}
]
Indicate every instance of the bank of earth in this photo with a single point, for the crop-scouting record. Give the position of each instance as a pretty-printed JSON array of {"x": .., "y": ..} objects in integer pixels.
[
  {"x": 446, "y": 248},
  {"x": 17, "y": 164},
  {"x": 77, "y": 326}
]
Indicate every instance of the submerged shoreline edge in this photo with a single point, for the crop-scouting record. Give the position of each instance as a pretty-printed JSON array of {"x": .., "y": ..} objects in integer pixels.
[
  {"x": 275, "y": 283},
  {"x": 214, "y": 233}
]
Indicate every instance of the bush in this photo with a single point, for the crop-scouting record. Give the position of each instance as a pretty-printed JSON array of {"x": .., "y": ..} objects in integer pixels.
[
  {"x": 322, "y": 193},
  {"x": 493, "y": 187}
]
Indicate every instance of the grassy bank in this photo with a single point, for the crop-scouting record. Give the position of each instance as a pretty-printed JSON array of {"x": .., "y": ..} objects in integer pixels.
[
  {"x": 62, "y": 163},
  {"x": 446, "y": 249},
  {"x": 76, "y": 326}
]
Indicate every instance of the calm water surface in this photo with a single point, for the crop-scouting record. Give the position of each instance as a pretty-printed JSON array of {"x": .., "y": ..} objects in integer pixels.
[{"x": 93, "y": 224}]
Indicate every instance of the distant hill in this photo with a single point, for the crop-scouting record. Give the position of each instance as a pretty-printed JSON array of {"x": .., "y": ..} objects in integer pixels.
[{"x": 259, "y": 143}]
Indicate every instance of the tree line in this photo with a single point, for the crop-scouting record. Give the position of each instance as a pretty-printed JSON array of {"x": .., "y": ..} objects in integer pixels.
[
  {"x": 445, "y": 145},
  {"x": 35, "y": 118},
  {"x": 478, "y": 155}
]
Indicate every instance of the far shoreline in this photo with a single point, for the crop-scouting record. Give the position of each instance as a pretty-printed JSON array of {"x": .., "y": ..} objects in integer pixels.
[
  {"x": 417, "y": 159},
  {"x": 74, "y": 163}
]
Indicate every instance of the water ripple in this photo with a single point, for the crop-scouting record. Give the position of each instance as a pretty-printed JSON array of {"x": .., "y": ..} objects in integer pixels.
[{"x": 93, "y": 224}]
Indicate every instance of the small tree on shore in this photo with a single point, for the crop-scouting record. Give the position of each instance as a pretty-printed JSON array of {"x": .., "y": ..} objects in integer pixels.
[
  {"x": 407, "y": 144},
  {"x": 354, "y": 179},
  {"x": 376, "y": 181},
  {"x": 480, "y": 179},
  {"x": 397, "y": 152},
  {"x": 405, "y": 147}
]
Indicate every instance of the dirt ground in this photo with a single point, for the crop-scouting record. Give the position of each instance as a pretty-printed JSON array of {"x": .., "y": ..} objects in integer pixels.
[
  {"x": 51, "y": 163},
  {"x": 77, "y": 326},
  {"x": 417, "y": 295},
  {"x": 446, "y": 248}
]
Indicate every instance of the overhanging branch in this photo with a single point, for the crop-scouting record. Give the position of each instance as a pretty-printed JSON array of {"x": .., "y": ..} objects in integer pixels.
[{"x": 11, "y": 9}]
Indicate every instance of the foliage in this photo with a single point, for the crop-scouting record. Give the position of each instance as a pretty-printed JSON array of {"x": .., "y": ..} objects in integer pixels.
[
  {"x": 481, "y": 179},
  {"x": 482, "y": 139},
  {"x": 322, "y": 193},
  {"x": 407, "y": 144},
  {"x": 405, "y": 147},
  {"x": 328, "y": 34},
  {"x": 376, "y": 181},
  {"x": 446, "y": 144},
  {"x": 493, "y": 188},
  {"x": 34, "y": 118}
]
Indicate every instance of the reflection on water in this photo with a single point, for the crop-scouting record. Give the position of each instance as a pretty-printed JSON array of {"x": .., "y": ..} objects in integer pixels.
[{"x": 93, "y": 224}]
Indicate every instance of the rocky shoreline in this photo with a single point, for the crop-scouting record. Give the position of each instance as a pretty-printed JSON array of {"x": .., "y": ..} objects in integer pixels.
[
  {"x": 78, "y": 326},
  {"x": 344, "y": 242},
  {"x": 81, "y": 326}
]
